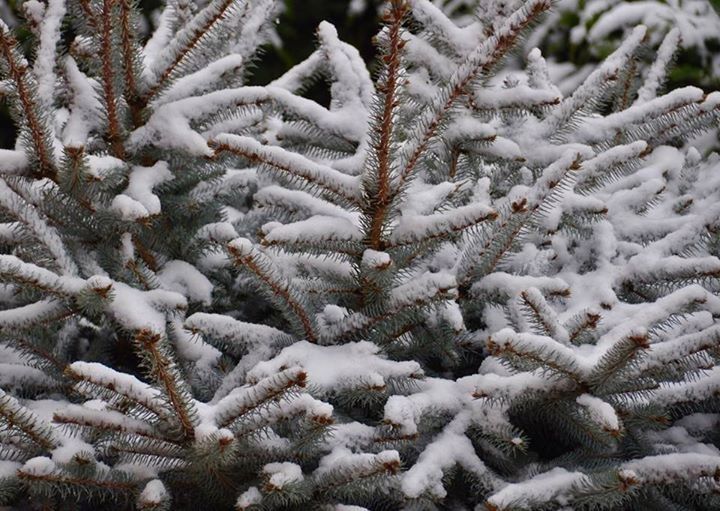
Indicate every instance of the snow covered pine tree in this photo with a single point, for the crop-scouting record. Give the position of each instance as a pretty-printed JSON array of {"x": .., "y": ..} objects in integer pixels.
[{"x": 474, "y": 293}]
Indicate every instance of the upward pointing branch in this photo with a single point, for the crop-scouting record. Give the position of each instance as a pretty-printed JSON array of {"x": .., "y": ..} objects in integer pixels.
[
  {"x": 26, "y": 89},
  {"x": 108, "y": 81},
  {"x": 130, "y": 67},
  {"x": 380, "y": 203},
  {"x": 477, "y": 63}
]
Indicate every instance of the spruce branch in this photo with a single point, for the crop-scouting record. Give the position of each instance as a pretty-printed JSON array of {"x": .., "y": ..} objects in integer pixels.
[
  {"x": 280, "y": 289},
  {"x": 111, "y": 94},
  {"x": 110, "y": 484},
  {"x": 163, "y": 369},
  {"x": 294, "y": 167},
  {"x": 131, "y": 59},
  {"x": 29, "y": 115},
  {"x": 378, "y": 183},
  {"x": 104, "y": 420},
  {"x": 244, "y": 401},
  {"x": 118, "y": 389},
  {"x": 478, "y": 63},
  {"x": 189, "y": 41},
  {"x": 29, "y": 216},
  {"x": 17, "y": 418}
]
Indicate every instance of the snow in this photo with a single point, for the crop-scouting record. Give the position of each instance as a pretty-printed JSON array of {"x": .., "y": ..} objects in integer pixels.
[
  {"x": 656, "y": 75},
  {"x": 449, "y": 448},
  {"x": 423, "y": 288},
  {"x": 184, "y": 278},
  {"x": 376, "y": 260},
  {"x": 169, "y": 125},
  {"x": 435, "y": 394},
  {"x": 138, "y": 200},
  {"x": 124, "y": 384},
  {"x": 41, "y": 277},
  {"x": 552, "y": 486},
  {"x": 316, "y": 229},
  {"x": 97, "y": 412},
  {"x": 248, "y": 498},
  {"x": 414, "y": 228},
  {"x": 135, "y": 309},
  {"x": 303, "y": 202},
  {"x": 294, "y": 166},
  {"x": 49, "y": 38},
  {"x": 281, "y": 474},
  {"x": 202, "y": 81},
  {"x": 238, "y": 334},
  {"x": 12, "y": 162},
  {"x": 39, "y": 466},
  {"x": 333, "y": 368},
  {"x": 72, "y": 449},
  {"x": 667, "y": 468},
  {"x": 341, "y": 458},
  {"x": 601, "y": 75},
  {"x": 600, "y": 411},
  {"x": 505, "y": 284},
  {"x": 8, "y": 469},
  {"x": 153, "y": 494}
]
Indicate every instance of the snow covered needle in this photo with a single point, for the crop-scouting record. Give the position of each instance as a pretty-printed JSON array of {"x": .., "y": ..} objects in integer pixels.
[{"x": 451, "y": 287}]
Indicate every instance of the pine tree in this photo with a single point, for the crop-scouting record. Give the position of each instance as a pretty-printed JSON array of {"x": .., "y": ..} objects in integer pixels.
[{"x": 452, "y": 287}]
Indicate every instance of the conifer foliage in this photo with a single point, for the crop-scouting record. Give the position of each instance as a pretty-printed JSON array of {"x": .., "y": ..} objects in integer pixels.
[{"x": 451, "y": 287}]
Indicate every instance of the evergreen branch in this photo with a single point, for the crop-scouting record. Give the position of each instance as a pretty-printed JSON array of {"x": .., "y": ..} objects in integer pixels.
[
  {"x": 478, "y": 63},
  {"x": 616, "y": 361},
  {"x": 293, "y": 166},
  {"x": 415, "y": 229},
  {"x": 110, "y": 95},
  {"x": 667, "y": 352},
  {"x": 43, "y": 312},
  {"x": 244, "y": 255},
  {"x": 607, "y": 73},
  {"x": 355, "y": 468},
  {"x": 13, "y": 269},
  {"x": 542, "y": 316},
  {"x": 582, "y": 325},
  {"x": 89, "y": 15},
  {"x": 131, "y": 59},
  {"x": 188, "y": 40},
  {"x": 49, "y": 360},
  {"x": 529, "y": 352},
  {"x": 494, "y": 246},
  {"x": 245, "y": 400},
  {"x": 59, "y": 478},
  {"x": 19, "y": 418},
  {"x": 93, "y": 379},
  {"x": 233, "y": 336},
  {"x": 522, "y": 213},
  {"x": 108, "y": 421},
  {"x": 164, "y": 371},
  {"x": 657, "y": 74},
  {"x": 28, "y": 215},
  {"x": 152, "y": 452},
  {"x": 26, "y": 89},
  {"x": 379, "y": 201}
]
